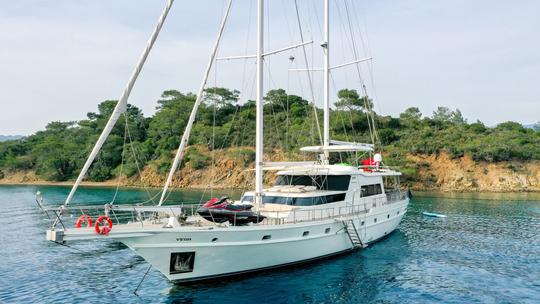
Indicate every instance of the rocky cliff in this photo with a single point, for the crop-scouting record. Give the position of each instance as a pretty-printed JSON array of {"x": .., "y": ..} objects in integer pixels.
[
  {"x": 440, "y": 172},
  {"x": 233, "y": 168}
]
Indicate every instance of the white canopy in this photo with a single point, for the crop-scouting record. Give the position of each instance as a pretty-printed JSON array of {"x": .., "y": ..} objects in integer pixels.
[
  {"x": 339, "y": 146},
  {"x": 285, "y": 165}
]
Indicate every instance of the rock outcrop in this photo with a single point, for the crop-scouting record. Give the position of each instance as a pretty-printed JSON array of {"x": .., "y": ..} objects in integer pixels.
[{"x": 233, "y": 168}]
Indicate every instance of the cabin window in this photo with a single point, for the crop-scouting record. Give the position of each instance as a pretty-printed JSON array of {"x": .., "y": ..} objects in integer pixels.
[
  {"x": 266, "y": 237},
  {"x": 318, "y": 200},
  {"x": 182, "y": 262},
  {"x": 388, "y": 216},
  {"x": 375, "y": 220},
  {"x": 327, "y": 230},
  {"x": 398, "y": 213},
  {"x": 214, "y": 240},
  {"x": 303, "y": 201},
  {"x": 247, "y": 199},
  {"x": 362, "y": 223},
  {"x": 369, "y": 190},
  {"x": 306, "y": 233},
  {"x": 322, "y": 182}
]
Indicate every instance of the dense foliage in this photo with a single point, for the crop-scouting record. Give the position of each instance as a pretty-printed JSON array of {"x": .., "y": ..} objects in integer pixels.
[{"x": 58, "y": 152}]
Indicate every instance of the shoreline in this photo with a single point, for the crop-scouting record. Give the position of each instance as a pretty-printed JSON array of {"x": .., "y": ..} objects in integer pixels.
[
  {"x": 107, "y": 184},
  {"x": 111, "y": 184}
]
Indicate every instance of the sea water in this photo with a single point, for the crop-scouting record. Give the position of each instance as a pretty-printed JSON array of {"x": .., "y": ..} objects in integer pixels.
[{"x": 487, "y": 250}]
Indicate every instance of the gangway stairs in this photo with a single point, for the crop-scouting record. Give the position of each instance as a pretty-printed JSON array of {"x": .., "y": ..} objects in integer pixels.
[{"x": 352, "y": 232}]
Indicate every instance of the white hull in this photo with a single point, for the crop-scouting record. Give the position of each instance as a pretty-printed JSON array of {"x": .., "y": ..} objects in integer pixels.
[{"x": 242, "y": 249}]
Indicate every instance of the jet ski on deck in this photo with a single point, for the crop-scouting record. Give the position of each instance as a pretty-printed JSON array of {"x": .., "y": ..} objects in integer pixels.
[{"x": 221, "y": 210}]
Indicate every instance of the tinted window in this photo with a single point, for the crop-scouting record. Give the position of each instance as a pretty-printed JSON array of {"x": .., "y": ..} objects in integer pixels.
[
  {"x": 278, "y": 200},
  {"x": 247, "y": 199},
  {"x": 322, "y": 182},
  {"x": 368, "y": 190},
  {"x": 298, "y": 201}
]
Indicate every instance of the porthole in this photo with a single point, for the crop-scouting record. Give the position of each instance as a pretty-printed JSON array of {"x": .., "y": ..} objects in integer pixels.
[
  {"x": 266, "y": 237},
  {"x": 362, "y": 223},
  {"x": 375, "y": 220},
  {"x": 388, "y": 216},
  {"x": 214, "y": 240},
  {"x": 327, "y": 230},
  {"x": 306, "y": 233},
  {"x": 398, "y": 212}
]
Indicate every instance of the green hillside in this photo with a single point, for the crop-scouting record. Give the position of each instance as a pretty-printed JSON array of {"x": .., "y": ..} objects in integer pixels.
[{"x": 58, "y": 152}]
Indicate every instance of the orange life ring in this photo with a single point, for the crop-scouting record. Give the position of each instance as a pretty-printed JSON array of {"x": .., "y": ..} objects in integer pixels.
[
  {"x": 105, "y": 229},
  {"x": 85, "y": 218}
]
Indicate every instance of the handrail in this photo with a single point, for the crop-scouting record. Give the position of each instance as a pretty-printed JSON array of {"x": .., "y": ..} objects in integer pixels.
[{"x": 141, "y": 214}]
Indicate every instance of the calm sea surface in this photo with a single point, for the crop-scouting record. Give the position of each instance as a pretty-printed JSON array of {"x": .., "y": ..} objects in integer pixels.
[{"x": 486, "y": 251}]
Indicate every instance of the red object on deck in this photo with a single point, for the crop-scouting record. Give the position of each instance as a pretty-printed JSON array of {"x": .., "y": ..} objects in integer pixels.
[
  {"x": 211, "y": 202},
  {"x": 369, "y": 164}
]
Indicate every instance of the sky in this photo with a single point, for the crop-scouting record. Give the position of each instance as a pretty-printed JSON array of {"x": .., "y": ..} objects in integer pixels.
[{"x": 59, "y": 59}]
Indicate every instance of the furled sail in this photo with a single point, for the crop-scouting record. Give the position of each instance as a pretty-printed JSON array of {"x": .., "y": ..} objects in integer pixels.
[
  {"x": 185, "y": 137},
  {"x": 122, "y": 102}
]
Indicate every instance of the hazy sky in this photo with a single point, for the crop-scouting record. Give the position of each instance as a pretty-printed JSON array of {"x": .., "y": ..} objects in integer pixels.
[{"x": 59, "y": 58}]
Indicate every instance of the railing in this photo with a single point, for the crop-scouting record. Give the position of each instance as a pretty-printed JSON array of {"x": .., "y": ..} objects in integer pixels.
[
  {"x": 395, "y": 195},
  {"x": 124, "y": 214},
  {"x": 364, "y": 206},
  {"x": 119, "y": 214},
  {"x": 373, "y": 168}
]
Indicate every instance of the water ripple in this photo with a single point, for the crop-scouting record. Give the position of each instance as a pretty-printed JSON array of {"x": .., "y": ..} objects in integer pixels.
[{"x": 484, "y": 252}]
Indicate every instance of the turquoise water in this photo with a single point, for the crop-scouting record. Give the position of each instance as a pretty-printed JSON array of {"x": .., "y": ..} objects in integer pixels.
[{"x": 485, "y": 251}]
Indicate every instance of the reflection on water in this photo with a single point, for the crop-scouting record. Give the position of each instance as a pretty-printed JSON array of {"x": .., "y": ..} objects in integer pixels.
[
  {"x": 486, "y": 250},
  {"x": 512, "y": 196}
]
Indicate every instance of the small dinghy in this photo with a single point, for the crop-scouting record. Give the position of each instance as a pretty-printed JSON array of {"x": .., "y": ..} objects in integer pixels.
[
  {"x": 430, "y": 214},
  {"x": 222, "y": 210}
]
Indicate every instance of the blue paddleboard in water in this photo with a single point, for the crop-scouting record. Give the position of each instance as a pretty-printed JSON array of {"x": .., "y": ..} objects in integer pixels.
[{"x": 433, "y": 214}]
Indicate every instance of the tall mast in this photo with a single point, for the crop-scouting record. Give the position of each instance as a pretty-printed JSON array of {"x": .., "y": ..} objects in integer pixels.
[
  {"x": 259, "y": 102},
  {"x": 326, "y": 80},
  {"x": 122, "y": 103}
]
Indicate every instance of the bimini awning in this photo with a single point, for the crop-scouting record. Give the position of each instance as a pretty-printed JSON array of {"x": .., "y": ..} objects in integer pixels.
[{"x": 340, "y": 146}]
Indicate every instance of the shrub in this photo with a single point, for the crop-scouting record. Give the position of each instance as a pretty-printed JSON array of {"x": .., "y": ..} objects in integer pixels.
[
  {"x": 242, "y": 156},
  {"x": 23, "y": 162},
  {"x": 196, "y": 159}
]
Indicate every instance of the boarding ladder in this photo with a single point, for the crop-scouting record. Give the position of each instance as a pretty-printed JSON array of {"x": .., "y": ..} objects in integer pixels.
[{"x": 352, "y": 232}]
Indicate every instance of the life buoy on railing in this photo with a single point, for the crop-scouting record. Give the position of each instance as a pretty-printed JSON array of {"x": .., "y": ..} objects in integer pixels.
[
  {"x": 85, "y": 218},
  {"x": 105, "y": 229}
]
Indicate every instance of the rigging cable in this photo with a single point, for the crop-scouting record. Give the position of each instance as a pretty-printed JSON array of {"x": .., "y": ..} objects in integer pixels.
[
  {"x": 133, "y": 152},
  {"x": 371, "y": 117},
  {"x": 308, "y": 73},
  {"x": 122, "y": 161}
]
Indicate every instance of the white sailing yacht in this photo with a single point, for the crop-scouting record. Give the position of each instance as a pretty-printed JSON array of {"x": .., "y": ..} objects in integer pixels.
[{"x": 314, "y": 210}]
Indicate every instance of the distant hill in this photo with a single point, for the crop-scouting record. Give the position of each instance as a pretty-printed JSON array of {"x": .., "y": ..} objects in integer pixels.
[
  {"x": 10, "y": 137},
  {"x": 535, "y": 126}
]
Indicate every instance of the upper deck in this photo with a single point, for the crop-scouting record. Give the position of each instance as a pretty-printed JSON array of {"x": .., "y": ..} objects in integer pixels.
[{"x": 336, "y": 169}]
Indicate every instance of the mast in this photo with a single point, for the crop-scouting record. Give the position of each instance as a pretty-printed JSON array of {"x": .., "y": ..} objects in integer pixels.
[
  {"x": 326, "y": 80},
  {"x": 259, "y": 103},
  {"x": 122, "y": 102},
  {"x": 185, "y": 137}
]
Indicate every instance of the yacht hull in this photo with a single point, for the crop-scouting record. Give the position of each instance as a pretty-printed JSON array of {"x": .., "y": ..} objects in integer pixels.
[{"x": 214, "y": 252}]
